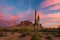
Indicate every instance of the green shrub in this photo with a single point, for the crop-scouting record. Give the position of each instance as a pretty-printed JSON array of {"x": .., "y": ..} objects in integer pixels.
[
  {"x": 48, "y": 37},
  {"x": 36, "y": 36}
]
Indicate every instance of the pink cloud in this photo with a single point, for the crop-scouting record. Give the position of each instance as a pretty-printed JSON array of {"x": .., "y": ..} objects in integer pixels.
[
  {"x": 52, "y": 20},
  {"x": 9, "y": 8},
  {"x": 15, "y": 17},
  {"x": 2, "y": 16},
  {"x": 9, "y": 18},
  {"x": 47, "y": 3},
  {"x": 12, "y": 17},
  {"x": 1, "y": 8},
  {"x": 20, "y": 15},
  {"x": 56, "y": 7},
  {"x": 48, "y": 22},
  {"x": 41, "y": 15},
  {"x": 28, "y": 11},
  {"x": 54, "y": 15},
  {"x": 4, "y": 21}
]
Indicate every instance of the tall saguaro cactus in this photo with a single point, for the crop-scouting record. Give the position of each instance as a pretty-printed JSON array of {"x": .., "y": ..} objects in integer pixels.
[
  {"x": 35, "y": 21},
  {"x": 37, "y": 34},
  {"x": 35, "y": 16},
  {"x": 38, "y": 23}
]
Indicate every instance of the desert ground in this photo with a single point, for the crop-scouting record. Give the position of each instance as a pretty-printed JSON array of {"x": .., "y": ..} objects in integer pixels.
[{"x": 16, "y": 35}]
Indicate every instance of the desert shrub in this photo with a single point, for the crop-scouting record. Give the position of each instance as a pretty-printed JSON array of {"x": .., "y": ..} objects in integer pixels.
[
  {"x": 26, "y": 31},
  {"x": 58, "y": 30},
  {"x": 1, "y": 33},
  {"x": 15, "y": 30},
  {"x": 5, "y": 30},
  {"x": 48, "y": 37},
  {"x": 36, "y": 36},
  {"x": 23, "y": 33},
  {"x": 57, "y": 34},
  {"x": 10, "y": 30},
  {"x": 33, "y": 37}
]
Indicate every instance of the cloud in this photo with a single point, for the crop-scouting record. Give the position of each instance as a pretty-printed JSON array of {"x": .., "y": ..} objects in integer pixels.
[
  {"x": 54, "y": 18},
  {"x": 9, "y": 19},
  {"x": 50, "y": 17},
  {"x": 53, "y": 15},
  {"x": 1, "y": 8},
  {"x": 10, "y": 8},
  {"x": 4, "y": 22},
  {"x": 47, "y": 3},
  {"x": 12, "y": 17},
  {"x": 2, "y": 17},
  {"x": 56, "y": 7},
  {"x": 41, "y": 15},
  {"x": 20, "y": 15},
  {"x": 51, "y": 21}
]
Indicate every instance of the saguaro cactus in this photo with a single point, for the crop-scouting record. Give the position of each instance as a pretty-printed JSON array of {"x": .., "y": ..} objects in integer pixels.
[
  {"x": 37, "y": 35},
  {"x": 35, "y": 21},
  {"x": 35, "y": 16}
]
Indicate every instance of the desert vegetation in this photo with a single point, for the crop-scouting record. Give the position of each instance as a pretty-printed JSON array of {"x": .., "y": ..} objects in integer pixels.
[{"x": 35, "y": 35}]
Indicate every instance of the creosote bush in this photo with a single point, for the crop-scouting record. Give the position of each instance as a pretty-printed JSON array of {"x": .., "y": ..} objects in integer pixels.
[
  {"x": 26, "y": 31},
  {"x": 48, "y": 37},
  {"x": 36, "y": 36}
]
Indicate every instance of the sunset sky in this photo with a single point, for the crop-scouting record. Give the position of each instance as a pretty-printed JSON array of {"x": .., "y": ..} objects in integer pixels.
[{"x": 15, "y": 11}]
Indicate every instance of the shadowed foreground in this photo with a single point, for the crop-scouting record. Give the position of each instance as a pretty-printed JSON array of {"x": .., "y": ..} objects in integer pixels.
[{"x": 15, "y": 36}]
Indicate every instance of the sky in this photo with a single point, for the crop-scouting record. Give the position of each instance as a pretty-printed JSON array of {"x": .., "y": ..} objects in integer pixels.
[{"x": 14, "y": 11}]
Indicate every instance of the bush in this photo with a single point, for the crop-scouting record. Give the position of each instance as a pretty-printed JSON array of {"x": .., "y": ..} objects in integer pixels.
[
  {"x": 36, "y": 36},
  {"x": 48, "y": 37},
  {"x": 57, "y": 34},
  {"x": 26, "y": 31},
  {"x": 1, "y": 33}
]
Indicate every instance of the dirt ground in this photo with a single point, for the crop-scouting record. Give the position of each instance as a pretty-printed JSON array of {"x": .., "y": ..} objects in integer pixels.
[{"x": 15, "y": 36}]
